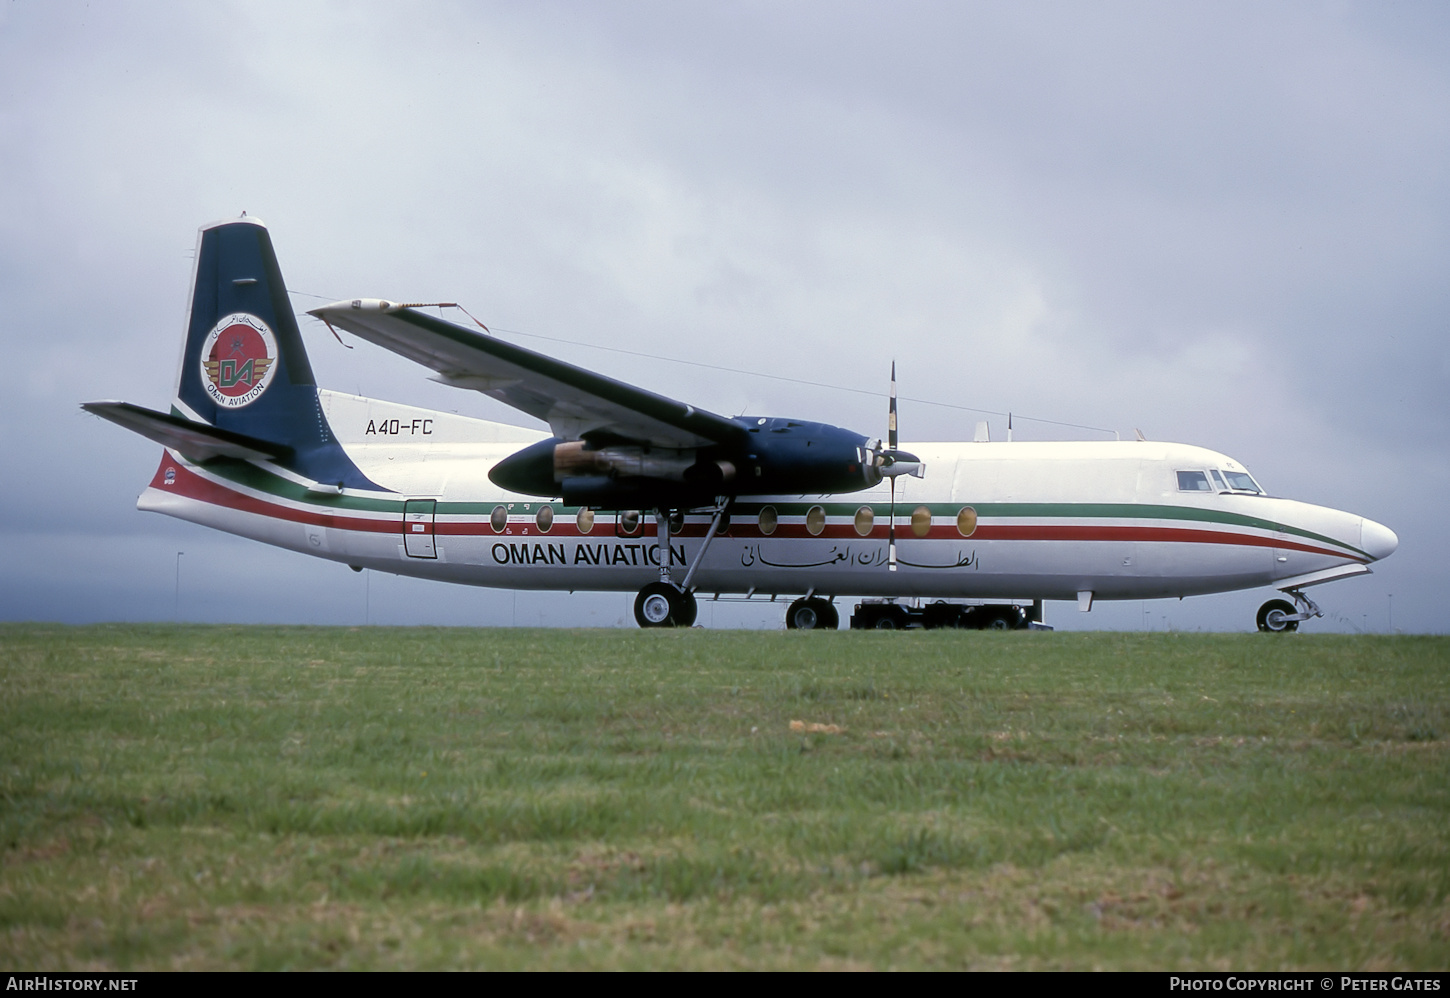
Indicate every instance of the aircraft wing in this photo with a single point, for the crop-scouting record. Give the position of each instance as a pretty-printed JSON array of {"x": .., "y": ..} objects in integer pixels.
[
  {"x": 573, "y": 401},
  {"x": 194, "y": 441}
]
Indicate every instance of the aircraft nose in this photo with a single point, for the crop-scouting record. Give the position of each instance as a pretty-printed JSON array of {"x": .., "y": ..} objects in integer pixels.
[{"x": 1377, "y": 540}]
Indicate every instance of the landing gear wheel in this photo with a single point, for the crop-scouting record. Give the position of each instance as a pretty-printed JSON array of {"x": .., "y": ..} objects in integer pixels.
[
  {"x": 660, "y": 604},
  {"x": 830, "y": 619},
  {"x": 689, "y": 610},
  {"x": 1007, "y": 618},
  {"x": 1273, "y": 617},
  {"x": 801, "y": 616},
  {"x": 811, "y": 615}
]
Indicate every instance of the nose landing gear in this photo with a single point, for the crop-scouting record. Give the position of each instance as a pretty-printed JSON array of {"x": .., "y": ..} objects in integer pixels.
[
  {"x": 1282, "y": 617},
  {"x": 1277, "y": 617}
]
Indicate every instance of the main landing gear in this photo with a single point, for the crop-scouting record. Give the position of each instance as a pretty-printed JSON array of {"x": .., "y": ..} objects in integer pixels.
[
  {"x": 667, "y": 603},
  {"x": 663, "y": 604},
  {"x": 1282, "y": 617}
]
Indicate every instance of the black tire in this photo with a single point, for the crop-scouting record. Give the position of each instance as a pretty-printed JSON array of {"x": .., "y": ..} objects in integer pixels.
[
  {"x": 689, "y": 610},
  {"x": 830, "y": 619},
  {"x": 800, "y": 616},
  {"x": 1271, "y": 614},
  {"x": 662, "y": 605},
  {"x": 1004, "y": 618},
  {"x": 811, "y": 615},
  {"x": 885, "y": 622}
]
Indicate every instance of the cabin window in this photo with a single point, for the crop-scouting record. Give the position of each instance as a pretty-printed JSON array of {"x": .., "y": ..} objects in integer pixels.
[
  {"x": 585, "y": 520},
  {"x": 921, "y": 521},
  {"x": 1193, "y": 481},
  {"x": 498, "y": 519},
  {"x": 1217, "y": 478},
  {"x": 544, "y": 519},
  {"x": 865, "y": 519},
  {"x": 767, "y": 520},
  {"x": 967, "y": 521},
  {"x": 816, "y": 520},
  {"x": 1242, "y": 481},
  {"x": 628, "y": 522}
]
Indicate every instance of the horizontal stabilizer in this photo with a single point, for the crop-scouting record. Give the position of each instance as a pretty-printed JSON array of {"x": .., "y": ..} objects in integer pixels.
[{"x": 193, "y": 441}]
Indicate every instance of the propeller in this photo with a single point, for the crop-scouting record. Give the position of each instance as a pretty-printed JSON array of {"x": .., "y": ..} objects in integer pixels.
[
  {"x": 891, "y": 444},
  {"x": 891, "y": 461}
]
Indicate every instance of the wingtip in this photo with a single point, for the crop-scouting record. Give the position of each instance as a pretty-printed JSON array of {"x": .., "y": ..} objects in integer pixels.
[{"x": 386, "y": 305}]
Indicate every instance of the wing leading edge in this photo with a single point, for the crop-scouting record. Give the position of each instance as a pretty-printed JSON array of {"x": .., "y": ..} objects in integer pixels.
[{"x": 573, "y": 401}]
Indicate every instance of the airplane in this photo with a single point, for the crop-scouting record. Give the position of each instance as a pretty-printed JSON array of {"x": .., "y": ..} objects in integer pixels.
[{"x": 751, "y": 507}]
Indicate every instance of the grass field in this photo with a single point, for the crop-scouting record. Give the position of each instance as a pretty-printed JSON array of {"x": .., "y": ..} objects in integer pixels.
[{"x": 233, "y": 797}]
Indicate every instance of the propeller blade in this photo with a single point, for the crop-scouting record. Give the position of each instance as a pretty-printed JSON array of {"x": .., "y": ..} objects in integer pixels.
[
  {"x": 887, "y": 455},
  {"x": 891, "y": 413},
  {"x": 891, "y": 531},
  {"x": 891, "y": 443}
]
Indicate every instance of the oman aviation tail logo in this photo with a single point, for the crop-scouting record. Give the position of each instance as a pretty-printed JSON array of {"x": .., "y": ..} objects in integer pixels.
[{"x": 238, "y": 360}]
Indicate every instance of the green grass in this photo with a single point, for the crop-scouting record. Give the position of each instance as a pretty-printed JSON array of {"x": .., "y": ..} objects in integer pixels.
[{"x": 268, "y": 798}]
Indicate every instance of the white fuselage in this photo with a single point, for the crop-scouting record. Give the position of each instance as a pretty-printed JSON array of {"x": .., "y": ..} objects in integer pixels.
[{"x": 989, "y": 521}]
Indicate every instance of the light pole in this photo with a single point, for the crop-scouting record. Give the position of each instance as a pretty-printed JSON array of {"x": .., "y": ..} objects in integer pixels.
[{"x": 176, "y": 605}]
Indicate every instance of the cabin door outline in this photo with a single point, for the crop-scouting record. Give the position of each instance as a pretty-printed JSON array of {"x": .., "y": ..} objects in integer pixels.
[{"x": 418, "y": 537}]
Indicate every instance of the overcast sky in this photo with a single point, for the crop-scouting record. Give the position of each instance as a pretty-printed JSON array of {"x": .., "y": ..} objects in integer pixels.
[{"x": 1224, "y": 224}]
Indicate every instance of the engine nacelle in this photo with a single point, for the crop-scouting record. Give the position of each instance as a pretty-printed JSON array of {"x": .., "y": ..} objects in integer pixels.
[
  {"x": 771, "y": 457},
  {"x": 788, "y": 456}
]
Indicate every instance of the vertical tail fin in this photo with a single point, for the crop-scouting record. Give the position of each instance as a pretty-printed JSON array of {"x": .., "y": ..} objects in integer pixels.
[{"x": 244, "y": 368}]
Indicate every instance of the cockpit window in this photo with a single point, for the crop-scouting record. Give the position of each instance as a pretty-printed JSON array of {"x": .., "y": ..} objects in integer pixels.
[
  {"x": 1242, "y": 481},
  {"x": 1193, "y": 481},
  {"x": 1217, "y": 478}
]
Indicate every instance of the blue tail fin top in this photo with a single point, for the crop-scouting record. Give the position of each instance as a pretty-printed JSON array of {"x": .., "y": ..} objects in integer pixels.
[{"x": 245, "y": 368}]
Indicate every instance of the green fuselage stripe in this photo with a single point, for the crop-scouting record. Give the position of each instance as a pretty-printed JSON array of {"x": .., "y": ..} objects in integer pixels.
[{"x": 254, "y": 477}]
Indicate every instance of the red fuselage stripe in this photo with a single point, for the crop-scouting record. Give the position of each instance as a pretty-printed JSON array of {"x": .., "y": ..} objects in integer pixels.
[{"x": 194, "y": 486}]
